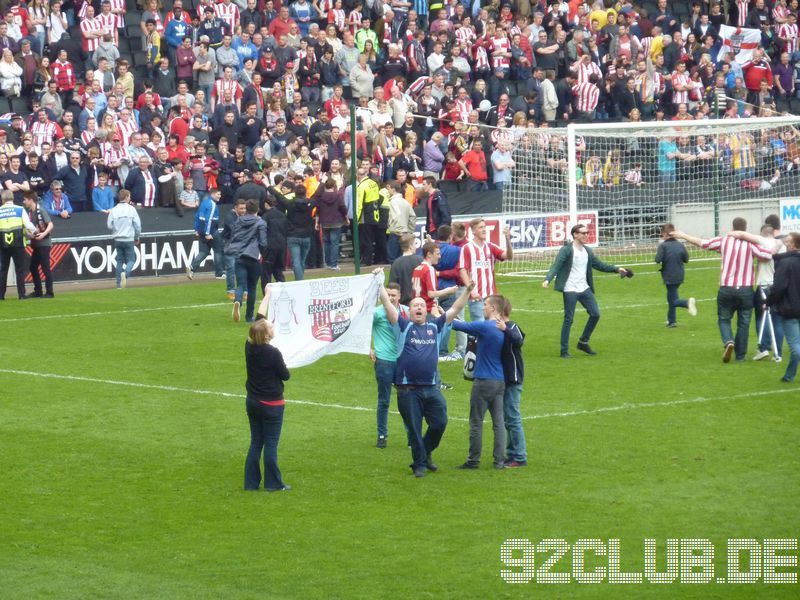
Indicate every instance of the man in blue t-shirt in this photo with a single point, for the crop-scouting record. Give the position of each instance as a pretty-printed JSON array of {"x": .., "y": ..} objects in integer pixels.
[
  {"x": 489, "y": 384},
  {"x": 417, "y": 375}
]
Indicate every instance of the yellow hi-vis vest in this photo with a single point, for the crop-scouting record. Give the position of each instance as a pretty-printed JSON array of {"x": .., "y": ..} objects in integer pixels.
[
  {"x": 368, "y": 193},
  {"x": 12, "y": 230}
]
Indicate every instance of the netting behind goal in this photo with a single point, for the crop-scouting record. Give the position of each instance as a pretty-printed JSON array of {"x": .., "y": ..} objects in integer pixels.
[{"x": 625, "y": 180}]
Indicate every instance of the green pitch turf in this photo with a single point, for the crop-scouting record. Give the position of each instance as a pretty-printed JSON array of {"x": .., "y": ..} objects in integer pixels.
[{"x": 123, "y": 435}]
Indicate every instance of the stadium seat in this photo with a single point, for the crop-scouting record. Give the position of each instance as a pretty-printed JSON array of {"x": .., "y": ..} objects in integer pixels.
[
  {"x": 133, "y": 18},
  {"x": 19, "y": 105},
  {"x": 131, "y": 5},
  {"x": 794, "y": 106},
  {"x": 135, "y": 43},
  {"x": 139, "y": 59},
  {"x": 5, "y": 106},
  {"x": 782, "y": 105},
  {"x": 133, "y": 31},
  {"x": 124, "y": 46}
]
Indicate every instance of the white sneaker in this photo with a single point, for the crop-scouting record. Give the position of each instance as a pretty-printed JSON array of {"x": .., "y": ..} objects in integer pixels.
[
  {"x": 778, "y": 359},
  {"x": 761, "y": 355},
  {"x": 692, "y": 307},
  {"x": 123, "y": 280},
  {"x": 235, "y": 313},
  {"x": 189, "y": 272}
]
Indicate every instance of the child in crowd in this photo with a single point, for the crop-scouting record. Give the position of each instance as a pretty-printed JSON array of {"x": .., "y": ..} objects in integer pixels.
[
  {"x": 451, "y": 169},
  {"x": 671, "y": 255},
  {"x": 102, "y": 195},
  {"x": 188, "y": 197}
]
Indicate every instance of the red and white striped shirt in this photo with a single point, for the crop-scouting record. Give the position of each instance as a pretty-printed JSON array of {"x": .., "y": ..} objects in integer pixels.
[
  {"x": 87, "y": 136},
  {"x": 583, "y": 70},
  {"x": 119, "y": 5},
  {"x": 338, "y": 17},
  {"x": 221, "y": 86},
  {"x": 587, "y": 96},
  {"x": 44, "y": 132},
  {"x": 744, "y": 8},
  {"x": 790, "y": 34},
  {"x": 465, "y": 35},
  {"x": 126, "y": 130},
  {"x": 111, "y": 157},
  {"x": 479, "y": 264},
  {"x": 90, "y": 26},
  {"x": 108, "y": 24},
  {"x": 680, "y": 79},
  {"x": 354, "y": 20},
  {"x": 737, "y": 259},
  {"x": 780, "y": 13},
  {"x": 149, "y": 199},
  {"x": 481, "y": 58},
  {"x": 229, "y": 13},
  {"x": 464, "y": 107},
  {"x": 500, "y": 45}
]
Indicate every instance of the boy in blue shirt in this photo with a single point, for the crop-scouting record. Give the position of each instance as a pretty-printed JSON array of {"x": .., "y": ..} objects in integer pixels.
[
  {"x": 489, "y": 384},
  {"x": 206, "y": 227},
  {"x": 417, "y": 375},
  {"x": 102, "y": 196}
]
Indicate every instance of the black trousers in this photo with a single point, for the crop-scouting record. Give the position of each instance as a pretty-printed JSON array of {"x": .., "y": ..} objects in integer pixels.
[
  {"x": 272, "y": 264},
  {"x": 41, "y": 258},
  {"x": 366, "y": 241},
  {"x": 18, "y": 255}
]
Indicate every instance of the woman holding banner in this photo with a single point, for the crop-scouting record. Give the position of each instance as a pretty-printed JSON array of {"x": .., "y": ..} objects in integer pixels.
[{"x": 266, "y": 372}]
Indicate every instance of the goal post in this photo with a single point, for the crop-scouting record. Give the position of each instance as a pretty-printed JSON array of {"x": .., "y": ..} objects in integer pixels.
[{"x": 625, "y": 180}]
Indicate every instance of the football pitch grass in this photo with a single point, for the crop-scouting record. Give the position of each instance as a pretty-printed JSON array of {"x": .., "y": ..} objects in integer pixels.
[{"x": 124, "y": 435}]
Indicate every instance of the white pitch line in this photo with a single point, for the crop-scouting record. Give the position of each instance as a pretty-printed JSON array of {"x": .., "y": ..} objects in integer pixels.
[
  {"x": 170, "y": 388},
  {"x": 519, "y": 275},
  {"x": 112, "y": 312},
  {"x": 631, "y": 406},
  {"x": 574, "y": 413}
]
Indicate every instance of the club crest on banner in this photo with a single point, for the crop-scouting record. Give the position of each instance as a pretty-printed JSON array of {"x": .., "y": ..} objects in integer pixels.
[{"x": 330, "y": 317}]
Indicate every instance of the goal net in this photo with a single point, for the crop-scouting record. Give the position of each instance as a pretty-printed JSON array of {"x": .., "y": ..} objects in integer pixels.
[{"x": 625, "y": 180}]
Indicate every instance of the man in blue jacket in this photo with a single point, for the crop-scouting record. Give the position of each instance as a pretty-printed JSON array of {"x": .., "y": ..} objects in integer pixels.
[
  {"x": 206, "y": 227},
  {"x": 572, "y": 270}
]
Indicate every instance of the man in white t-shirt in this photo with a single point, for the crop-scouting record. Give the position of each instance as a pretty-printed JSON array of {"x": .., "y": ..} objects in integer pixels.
[
  {"x": 572, "y": 270},
  {"x": 765, "y": 275}
]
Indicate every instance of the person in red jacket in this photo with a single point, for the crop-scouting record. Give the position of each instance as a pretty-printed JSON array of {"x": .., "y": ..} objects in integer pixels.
[{"x": 755, "y": 71}]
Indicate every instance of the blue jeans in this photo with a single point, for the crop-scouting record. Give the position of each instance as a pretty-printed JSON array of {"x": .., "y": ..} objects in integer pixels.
[
  {"x": 331, "y": 237},
  {"x": 248, "y": 270},
  {"x": 791, "y": 327},
  {"x": 416, "y": 403},
  {"x": 384, "y": 375},
  {"x": 204, "y": 248},
  {"x": 265, "y": 432},
  {"x": 475, "y": 314},
  {"x": 230, "y": 272},
  {"x": 588, "y": 301},
  {"x": 765, "y": 341},
  {"x": 392, "y": 247},
  {"x": 298, "y": 250},
  {"x": 740, "y": 301},
  {"x": 444, "y": 337},
  {"x": 674, "y": 301},
  {"x": 126, "y": 255},
  {"x": 516, "y": 448}
]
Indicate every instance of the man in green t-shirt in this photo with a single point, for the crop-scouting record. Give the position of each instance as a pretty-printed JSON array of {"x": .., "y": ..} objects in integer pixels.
[{"x": 384, "y": 356}]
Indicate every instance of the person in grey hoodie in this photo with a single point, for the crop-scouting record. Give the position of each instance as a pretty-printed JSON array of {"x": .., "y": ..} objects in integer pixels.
[
  {"x": 248, "y": 241},
  {"x": 126, "y": 227},
  {"x": 671, "y": 255}
]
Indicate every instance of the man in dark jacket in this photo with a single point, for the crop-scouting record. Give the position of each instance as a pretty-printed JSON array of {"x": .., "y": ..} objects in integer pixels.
[
  {"x": 248, "y": 240},
  {"x": 239, "y": 209},
  {"x": 76, "y": 182},
  {"x": 300, "y": 224},
  {"x": 577, "y": 285},
  {"x": 672, "y": 255},
  {"x": 248, "y": 190},
  {"x": 438, "y": 212},
  {"x": 274, "y": 259},
  {"x": 784, "y": 298}
]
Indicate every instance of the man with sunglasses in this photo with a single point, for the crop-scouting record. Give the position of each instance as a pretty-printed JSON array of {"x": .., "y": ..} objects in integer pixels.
[{"x": 572, "y": 270}]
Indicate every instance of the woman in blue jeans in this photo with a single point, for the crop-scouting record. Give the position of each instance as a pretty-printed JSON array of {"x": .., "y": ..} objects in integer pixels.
[
  {"x": 300, "y": 224},
  {"x": 266, "y": 372}
]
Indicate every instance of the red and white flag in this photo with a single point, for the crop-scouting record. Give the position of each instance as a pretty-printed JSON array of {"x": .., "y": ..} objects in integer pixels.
[{"x": 740, "y": 41}]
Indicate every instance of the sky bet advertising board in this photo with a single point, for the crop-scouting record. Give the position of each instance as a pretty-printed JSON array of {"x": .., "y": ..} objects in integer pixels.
[{"x": 529, "y": 232}]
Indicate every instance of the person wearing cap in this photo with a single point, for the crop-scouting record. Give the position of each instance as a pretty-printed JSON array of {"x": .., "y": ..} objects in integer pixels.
[
  {"x": 248, "y": 189},
  {"x": 6, "y": 147}
]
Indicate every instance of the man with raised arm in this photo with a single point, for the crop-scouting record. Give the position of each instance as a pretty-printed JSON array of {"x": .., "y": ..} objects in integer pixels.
[
  {"x": 735, "y": 293},
  {"x": 417, "y": 374}
]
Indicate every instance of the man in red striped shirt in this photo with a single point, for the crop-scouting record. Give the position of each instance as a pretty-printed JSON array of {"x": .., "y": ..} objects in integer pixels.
[
  {"x": 735, "y": 285},
  {"x": 587, "y": 95},
  {"x": 476, "y": 264},
  {"x": 424, "y": 278}
]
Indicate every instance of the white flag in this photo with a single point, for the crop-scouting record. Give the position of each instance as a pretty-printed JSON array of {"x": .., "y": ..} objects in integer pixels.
[
  {"x": 315, "y": 317},
  {"x": 740, "y": 41}
]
